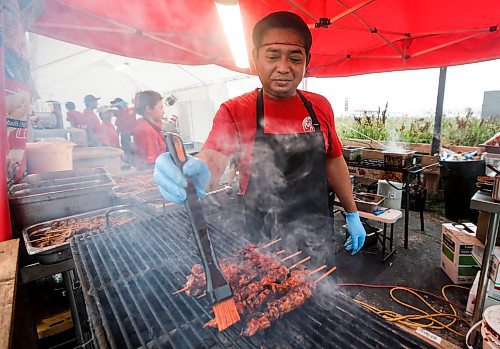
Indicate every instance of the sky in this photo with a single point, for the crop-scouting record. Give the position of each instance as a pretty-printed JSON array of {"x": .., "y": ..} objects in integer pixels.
[
  {"x": 412, "y": 92},
  {"x": 408, "y": 93}
]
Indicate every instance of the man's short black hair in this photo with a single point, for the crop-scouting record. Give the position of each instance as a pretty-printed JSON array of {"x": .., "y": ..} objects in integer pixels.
[
  {"x": 70, "y": 105},
  {"x": 282, "y": 20}
]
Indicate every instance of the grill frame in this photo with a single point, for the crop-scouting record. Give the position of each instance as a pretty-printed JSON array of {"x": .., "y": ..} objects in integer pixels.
[{"x": 320, "y": 317}]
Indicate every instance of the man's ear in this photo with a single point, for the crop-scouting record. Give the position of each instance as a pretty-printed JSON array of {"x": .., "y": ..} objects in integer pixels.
[
  {"x": 308, "y": 59},
  {"x": 255, "y": 54}
]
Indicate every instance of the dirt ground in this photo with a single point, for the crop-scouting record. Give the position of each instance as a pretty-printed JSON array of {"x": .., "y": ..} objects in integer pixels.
[{"x": 417, "y": 267}]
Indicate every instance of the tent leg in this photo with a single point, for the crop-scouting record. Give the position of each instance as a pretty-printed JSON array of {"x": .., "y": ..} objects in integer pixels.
[
  {"x": 436, "y": 136},
  {"x": 5, "y": 227}
]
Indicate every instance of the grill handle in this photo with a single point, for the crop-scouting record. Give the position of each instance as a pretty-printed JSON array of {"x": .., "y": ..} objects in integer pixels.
[
  {"x": 218, "y": 288},
  {"x": 117, "y": 209}
]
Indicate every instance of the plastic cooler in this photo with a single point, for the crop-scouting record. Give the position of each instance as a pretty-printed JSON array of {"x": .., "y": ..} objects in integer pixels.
[{"x": 392, "y": 191}]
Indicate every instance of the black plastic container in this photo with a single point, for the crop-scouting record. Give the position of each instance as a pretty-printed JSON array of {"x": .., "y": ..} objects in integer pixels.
[{"x": 459, "y": 183}]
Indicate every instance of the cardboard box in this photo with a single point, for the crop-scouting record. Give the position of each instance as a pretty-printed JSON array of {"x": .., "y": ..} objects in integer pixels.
[
  {"x": 493, "y": 273},
  {"x": 456, "y": 254},
  {"x": 492, "y": 296}
]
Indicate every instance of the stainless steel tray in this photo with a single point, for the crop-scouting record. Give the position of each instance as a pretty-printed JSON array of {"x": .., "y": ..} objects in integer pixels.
[
  {"x": 69, "y": 174},
  {"x": 42, "y": 204},
  {"x": 133, "y": 177},
  {"x": 368, "y": 202},
  {"x": 24, "y": 189},
  {"x": 30, "y": 194},
  {"x": 59, "y": 252}
]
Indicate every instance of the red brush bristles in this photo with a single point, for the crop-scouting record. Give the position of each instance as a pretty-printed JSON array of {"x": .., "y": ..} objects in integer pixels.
[{"x": 226, "y": 313}]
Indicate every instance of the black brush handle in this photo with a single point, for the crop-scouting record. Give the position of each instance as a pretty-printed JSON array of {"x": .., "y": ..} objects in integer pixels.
[{"x": 217, "y": 286}]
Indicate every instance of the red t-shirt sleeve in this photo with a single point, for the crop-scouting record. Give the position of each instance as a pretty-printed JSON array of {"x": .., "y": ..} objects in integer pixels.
[
  {"x": 335, "y": 149},
  {"x": 224, "y": 134}
]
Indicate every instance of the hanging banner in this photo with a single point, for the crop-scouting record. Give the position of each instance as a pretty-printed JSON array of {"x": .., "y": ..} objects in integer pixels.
[{"x": 17, "y": 89}]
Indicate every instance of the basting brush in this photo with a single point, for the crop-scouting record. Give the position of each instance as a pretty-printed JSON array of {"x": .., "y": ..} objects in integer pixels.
[{"x": 217, "y": 287}]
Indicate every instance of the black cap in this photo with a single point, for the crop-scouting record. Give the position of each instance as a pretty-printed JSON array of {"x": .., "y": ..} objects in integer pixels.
[{"x": 117, "y": 100}]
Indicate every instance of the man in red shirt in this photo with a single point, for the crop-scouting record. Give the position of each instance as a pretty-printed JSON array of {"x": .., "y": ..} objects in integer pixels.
[
  {"x": 288, "y": 149},
  {"x": 148, "y": 135},
  {"x": 106, "y": 134},
  {"x": 125, "y": 122},
  {"x": 90, "y": 121},
  {"x": 72, "y": 116}
]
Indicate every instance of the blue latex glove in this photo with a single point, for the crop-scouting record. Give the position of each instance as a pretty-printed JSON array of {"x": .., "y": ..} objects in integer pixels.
[
  {"x": 172, "y": 183},
  {"x": 357, "y": 231}
]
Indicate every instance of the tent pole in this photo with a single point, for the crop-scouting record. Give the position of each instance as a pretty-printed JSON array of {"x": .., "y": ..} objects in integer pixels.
[
  {"x": 436, "y": 136},
  {"x": 5, "y": 227}
]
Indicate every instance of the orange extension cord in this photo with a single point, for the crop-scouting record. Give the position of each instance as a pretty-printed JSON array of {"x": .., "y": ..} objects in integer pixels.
[{"x": 423, "y": 318}]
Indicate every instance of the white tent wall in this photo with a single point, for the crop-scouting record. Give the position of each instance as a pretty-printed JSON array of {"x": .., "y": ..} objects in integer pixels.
[{"x": 66, "y": 72}]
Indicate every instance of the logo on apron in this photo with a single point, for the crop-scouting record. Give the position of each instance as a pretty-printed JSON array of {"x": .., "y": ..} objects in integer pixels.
[{"x": 307, "y": 124}]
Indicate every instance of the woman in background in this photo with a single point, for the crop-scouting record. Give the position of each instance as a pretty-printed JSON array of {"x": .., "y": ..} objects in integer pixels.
[
  {"x": 149, "y": 141},
  {"x": 106, "y": 134}
]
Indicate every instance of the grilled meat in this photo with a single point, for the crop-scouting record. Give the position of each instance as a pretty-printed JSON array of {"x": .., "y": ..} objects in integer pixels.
[
  {"x": 294, "y": 299},
  {"x": 61, "y": 231}
]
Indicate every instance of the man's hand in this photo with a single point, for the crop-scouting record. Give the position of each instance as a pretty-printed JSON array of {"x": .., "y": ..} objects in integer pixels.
[
  {"x": 357, "y": 231},
  {"x": 172, "y": 183}
]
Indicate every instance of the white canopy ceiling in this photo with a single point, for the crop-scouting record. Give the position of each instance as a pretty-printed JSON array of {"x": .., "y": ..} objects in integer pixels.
[{"x": 67, "y": 72}]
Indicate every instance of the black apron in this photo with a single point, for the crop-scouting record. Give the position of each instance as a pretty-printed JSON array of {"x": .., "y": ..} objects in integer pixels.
[{"x": 287, "y": 194}]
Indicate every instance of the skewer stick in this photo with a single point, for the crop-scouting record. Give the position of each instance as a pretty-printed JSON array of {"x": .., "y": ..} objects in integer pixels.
[
  {"x": 202, "y": 295},
  {"x": 300, "y": 262},
  {"x": 318, "y": 269},
  {"x": 271, "y": 243},
  {"x": 291, "y": 256},
  {"x": 325, "y": 275},
  {"x": 181, "y": 290},
  {"x": 280, "y": 252}
]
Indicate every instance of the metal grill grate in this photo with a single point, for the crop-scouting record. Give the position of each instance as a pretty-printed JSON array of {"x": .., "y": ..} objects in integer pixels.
[{"x": 128, "y": 275}]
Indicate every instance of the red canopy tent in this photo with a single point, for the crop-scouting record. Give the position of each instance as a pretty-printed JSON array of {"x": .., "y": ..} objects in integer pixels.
[{"x": 349, "y": 36}]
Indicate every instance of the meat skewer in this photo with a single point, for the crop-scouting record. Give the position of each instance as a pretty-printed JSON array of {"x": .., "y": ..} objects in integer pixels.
[
  {"x": 292, "y": 300},
  {"x": 269, "y": 289},
  {"x": 238, "y": 274},
  {"x": 291, "y": 256}
]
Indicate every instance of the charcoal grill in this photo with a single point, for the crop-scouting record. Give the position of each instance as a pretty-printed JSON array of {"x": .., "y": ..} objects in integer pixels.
[{"x": 128, "y": 275}]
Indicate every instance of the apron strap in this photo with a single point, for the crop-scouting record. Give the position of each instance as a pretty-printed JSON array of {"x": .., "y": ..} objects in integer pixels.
[
  {"x": 310, "y": 110},
  {"x": 260, "y": 111}
]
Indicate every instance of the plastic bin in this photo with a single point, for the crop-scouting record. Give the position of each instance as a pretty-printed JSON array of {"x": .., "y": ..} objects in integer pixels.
[
  {"x": 392, "y": 191},
  {"x": 459, "y": 183}
]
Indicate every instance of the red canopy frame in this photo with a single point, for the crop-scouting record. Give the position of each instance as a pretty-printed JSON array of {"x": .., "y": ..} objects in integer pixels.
[{"x": 350, "y": 37}]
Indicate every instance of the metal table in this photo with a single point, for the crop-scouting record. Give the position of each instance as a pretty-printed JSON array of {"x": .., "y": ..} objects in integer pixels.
[{"x": 485, "y": 203}]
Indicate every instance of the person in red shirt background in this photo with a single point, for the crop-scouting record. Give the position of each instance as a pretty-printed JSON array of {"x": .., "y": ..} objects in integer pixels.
[
  {"x": 90, "y": 121},
  {"x": 106, "y": 134},
  {"x": 73, "y": 116},
  {"x": 149, "y": 141},
  {"x": 125, "y": 122}
]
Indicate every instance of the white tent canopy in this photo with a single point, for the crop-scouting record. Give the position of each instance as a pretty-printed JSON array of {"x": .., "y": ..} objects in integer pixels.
[
  {"x": 63, "y": 71},
  {"x": 66, "y": 72}
]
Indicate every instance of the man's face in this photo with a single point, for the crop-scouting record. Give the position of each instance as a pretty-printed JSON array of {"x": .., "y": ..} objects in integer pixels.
[
  {"x": 281, "y": 62},
  {"x": 156, "y": 113}
]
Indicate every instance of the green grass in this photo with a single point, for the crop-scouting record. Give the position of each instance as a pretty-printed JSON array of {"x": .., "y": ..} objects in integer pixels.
[{"x": 465, "y": 131}]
